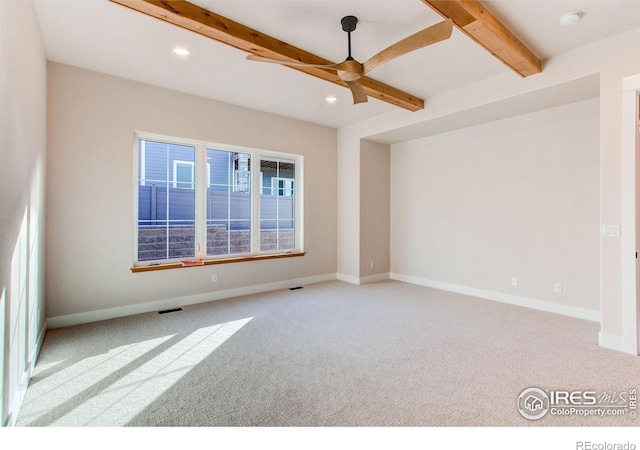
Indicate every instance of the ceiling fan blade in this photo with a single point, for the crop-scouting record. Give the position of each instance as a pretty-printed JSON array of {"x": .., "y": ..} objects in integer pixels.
[
  {"x": 436, "y": 33},
  {"x": 289, "y": 63},
  {"x": 359, "y": 95}
]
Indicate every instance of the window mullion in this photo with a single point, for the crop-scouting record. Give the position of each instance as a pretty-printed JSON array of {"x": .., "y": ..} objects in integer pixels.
[
  {"x": 167, "y": 222},
  {"x": 256, "y": 191},
  {"x": 299, "y": 204},
  {"x": 201, "y": 201},
  {"x": 277, "y": 193}
]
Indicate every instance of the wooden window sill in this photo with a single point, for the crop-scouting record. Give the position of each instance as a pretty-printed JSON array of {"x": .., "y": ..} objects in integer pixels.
[{"x": 210, "y": 262}]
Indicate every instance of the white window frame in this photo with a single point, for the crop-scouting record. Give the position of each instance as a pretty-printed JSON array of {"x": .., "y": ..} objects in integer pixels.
[
  {"x": 201, "y": 173},
  {"x": 143, "y": 167}
]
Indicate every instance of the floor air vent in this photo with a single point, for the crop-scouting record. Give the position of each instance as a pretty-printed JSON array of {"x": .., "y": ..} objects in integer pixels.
[{"x": 170, "y": 310}]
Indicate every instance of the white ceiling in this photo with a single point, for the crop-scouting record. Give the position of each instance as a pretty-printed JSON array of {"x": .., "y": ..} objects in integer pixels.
[{"x": 106, "y": 37}]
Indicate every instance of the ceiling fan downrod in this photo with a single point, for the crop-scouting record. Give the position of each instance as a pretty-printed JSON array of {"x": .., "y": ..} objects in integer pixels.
[{"x": 348, "y": 25}]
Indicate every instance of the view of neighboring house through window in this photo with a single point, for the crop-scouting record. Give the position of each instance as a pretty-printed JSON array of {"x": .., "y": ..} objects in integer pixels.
[
  {"x": 281, "y": 186},
  {"x": 166, "y": 210},
  {"x": 277, "y": 206},
  {"x": 196, "y": 201},
  {"x": 228, "y": 203},
  {"x": 183, "y": 174}
]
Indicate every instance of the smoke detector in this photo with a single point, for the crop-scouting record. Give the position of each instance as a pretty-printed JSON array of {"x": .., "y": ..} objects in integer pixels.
[{"x": 570, "y": 18}]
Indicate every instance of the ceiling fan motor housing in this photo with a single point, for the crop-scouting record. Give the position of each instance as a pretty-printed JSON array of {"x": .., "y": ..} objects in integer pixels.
[{"x": 352, "y": 70}]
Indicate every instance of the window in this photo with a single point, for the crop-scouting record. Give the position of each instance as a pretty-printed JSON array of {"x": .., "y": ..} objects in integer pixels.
[
  {"x": 166, "y": 211},
  {"x": 197, "y": 201},
  {"x": 228, "y": 204},
  {"x": 183, "y": 174},
  {"x": 281, "y": 186},
  {"x": 277, "y": 206}
]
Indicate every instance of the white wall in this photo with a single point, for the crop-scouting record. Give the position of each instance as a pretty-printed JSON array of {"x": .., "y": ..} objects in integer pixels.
[
  {"x": 348, "y": 158},
  {"x": 90, "y": 192},
  {"x": 374, "y": 210},
  {"x": 22, "y": 156},
  {"x": 611, "y": 60},
  {"x": 514, "y": 198}
]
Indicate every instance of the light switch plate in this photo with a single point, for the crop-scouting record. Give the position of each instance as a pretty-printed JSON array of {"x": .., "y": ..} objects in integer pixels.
[{"x": 611, "y": 230}]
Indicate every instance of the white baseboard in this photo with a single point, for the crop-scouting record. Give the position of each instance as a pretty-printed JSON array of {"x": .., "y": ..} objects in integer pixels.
[
  {"x": 374, "y": 278},
  {"x": 93, "y": 316},
  {"x": 35, "y": 351},
  {"x": 362, "y": 280},
  {"x": 348, "y": 278},
  {"x": 176, "y": 302},
  {"x": 565, "y": 310},
  {"x": 611, "y": 341}
]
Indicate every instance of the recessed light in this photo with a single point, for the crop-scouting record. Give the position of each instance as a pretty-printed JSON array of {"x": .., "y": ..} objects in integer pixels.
[
  {"x": 331, "y": 99},
  {"x": 570, "y": 18},
  {"x": 181, "y": 51}
]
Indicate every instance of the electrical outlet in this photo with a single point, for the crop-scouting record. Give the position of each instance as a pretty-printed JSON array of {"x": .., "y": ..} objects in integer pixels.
[
  {"x": 214, "y": 278},
  {"x": 371, "y": 264},
  {"x": 557, "y": 288},
  {"x": 514, "y": 281}
]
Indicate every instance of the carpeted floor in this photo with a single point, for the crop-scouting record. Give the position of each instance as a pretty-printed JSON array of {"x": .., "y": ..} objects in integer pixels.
[{"x": 331, "y": 354}]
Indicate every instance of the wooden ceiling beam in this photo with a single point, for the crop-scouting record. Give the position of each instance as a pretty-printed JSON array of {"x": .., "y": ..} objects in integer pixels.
[
  {"x": 470, "y": 17},
  {"x": 209, "y": 24}
]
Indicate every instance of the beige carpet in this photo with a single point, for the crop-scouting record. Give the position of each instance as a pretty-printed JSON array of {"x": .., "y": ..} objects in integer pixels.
[{"x": 331, "y": 354}]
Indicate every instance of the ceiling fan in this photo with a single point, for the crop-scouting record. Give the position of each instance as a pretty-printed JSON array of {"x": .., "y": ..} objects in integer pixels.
[{"x": 350, "y": 70}]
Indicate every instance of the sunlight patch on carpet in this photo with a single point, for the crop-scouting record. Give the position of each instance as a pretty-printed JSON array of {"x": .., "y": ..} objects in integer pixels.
[
  {"x": 143, "y": 385},
  {"x": 56, "y": 390}
]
